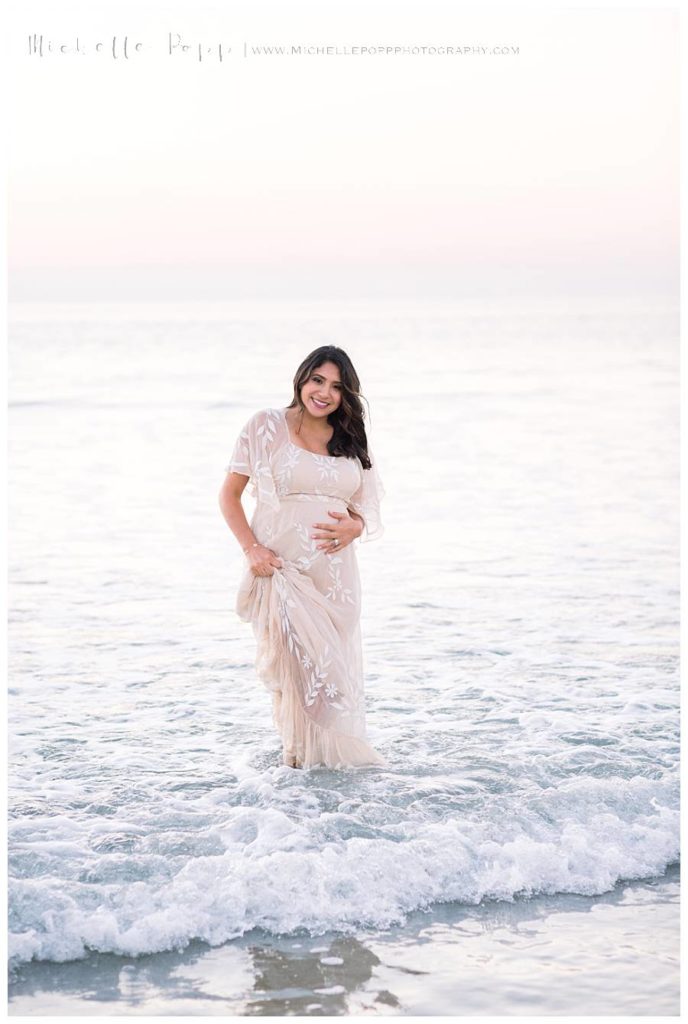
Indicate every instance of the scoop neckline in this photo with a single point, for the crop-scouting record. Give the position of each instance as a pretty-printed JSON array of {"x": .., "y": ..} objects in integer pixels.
[{"x": 298, "y": 447}]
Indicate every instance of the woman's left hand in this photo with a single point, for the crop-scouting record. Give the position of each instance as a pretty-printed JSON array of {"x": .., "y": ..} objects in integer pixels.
[{"x": 345, "y": 530}]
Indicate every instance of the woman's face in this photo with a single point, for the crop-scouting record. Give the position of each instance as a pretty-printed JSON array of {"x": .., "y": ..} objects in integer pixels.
[{"x": 324, "y": 385}]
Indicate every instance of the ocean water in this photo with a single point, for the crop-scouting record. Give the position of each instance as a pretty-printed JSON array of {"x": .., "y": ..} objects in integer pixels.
[{"x": 520, "y": 623}]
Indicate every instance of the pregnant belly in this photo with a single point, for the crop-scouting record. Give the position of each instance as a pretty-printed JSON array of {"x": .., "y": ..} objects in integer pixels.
[{"x": 294, "y": 529}]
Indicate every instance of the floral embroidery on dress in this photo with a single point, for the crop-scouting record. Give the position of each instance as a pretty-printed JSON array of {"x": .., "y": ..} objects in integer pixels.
[
  {"x": 317, "y": 677},
  {"x": 337, "y": 590},
  {"x": 310, "y": 544},
  {"x": 329, "y": 474},
  {"x": 283, "y": 470}
]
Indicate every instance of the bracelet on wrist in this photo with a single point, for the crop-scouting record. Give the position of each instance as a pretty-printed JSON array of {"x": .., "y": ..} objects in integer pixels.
[{"x": 256, "y": 544}]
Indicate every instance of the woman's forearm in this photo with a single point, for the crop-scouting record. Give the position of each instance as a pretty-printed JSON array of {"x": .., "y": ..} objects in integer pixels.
[{"x": 235, "y": 517}]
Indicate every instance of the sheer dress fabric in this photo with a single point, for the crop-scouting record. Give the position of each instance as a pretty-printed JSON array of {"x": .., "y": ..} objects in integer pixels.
[{"x": 306, "y": 616}]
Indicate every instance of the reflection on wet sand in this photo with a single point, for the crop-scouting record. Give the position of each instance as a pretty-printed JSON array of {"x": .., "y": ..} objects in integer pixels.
[
  {"x": 316, "y": 979},
  {"x": 282, "y": 976}
]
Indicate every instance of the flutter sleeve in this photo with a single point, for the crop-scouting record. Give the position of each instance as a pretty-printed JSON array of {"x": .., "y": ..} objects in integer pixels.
[
  {"x": 366, "y": 501},
  {"x": 251, "y": 456},
  {"x": 240, "y": 461}
]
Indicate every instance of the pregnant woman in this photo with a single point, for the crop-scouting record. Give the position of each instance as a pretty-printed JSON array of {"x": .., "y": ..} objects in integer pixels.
[{"x": 317, "y": 490}]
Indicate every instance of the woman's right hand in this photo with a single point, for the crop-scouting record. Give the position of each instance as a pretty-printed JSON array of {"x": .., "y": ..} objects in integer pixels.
[{"x": 263, "y": 561}]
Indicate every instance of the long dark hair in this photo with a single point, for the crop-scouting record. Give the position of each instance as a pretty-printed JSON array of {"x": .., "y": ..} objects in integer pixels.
[{"x": 349, "y": 437}]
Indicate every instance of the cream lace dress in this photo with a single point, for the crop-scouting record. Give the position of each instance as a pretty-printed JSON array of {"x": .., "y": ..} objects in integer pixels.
[{"x": 305, "y": 616}]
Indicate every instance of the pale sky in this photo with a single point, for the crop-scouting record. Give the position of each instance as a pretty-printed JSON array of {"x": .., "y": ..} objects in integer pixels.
[{"x": 555, "y": 170}]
